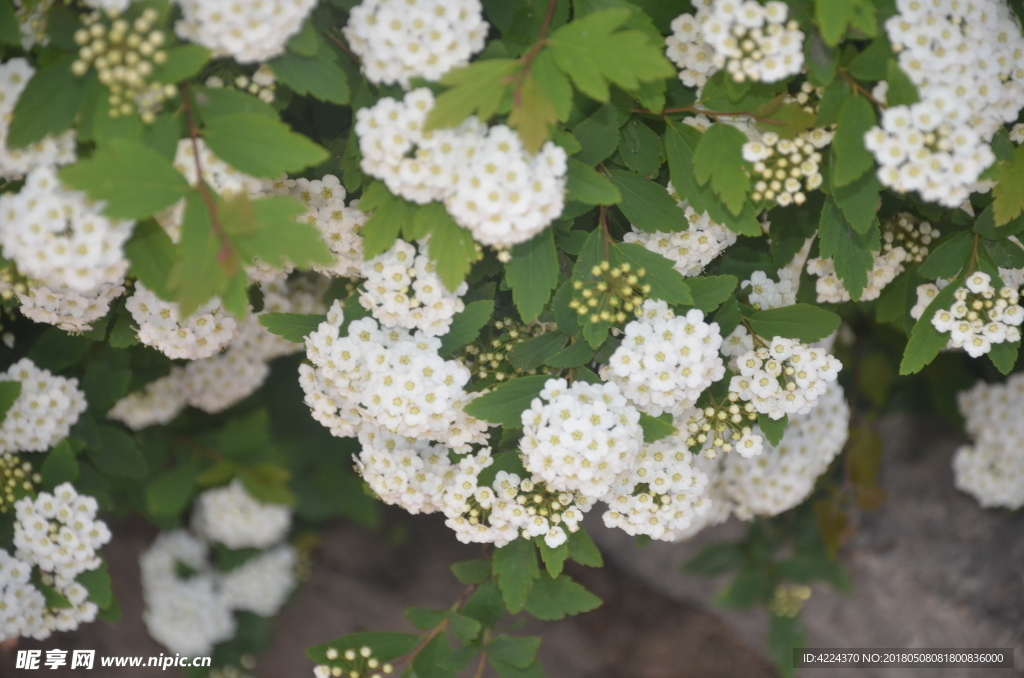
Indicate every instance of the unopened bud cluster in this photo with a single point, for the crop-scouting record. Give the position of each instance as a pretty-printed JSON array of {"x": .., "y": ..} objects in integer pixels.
[
  {"x": 913, "y": 235},
  {"x": 789, "y": 599},
  {"x": 489, "y": 358},
  {"x": 261, "y": 84},
  {"x": 613, "y": 297},
  {"x": 17, "y": 478},
  {"x": 353, "y": 663},
  {"x": 124, "y": 55},
  {"x": 785, "y": 168},
  {"x": 724, "y": 427}
]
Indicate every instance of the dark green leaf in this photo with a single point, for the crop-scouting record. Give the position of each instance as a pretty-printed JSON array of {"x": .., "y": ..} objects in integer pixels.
[
  {"x": 800, "y": 321},
  {"x": 9, "y": 392},
  {"x": 926, "y": 341},
  {"x": 666, "y": 282},
  {"x": 453, "y": 252},
  {"x": 466, "y": 326},
  {"x": 859, "y": 201},
  {"x": 585, "y": 185},
  {"x": 318, "y": 76},
  {"x": 577, "y": 354},
  {"x": 850, "y": 159},
  {"x": 505, "y": 404},
  {"x": 773, "y": 429},
  {"x": 656, "y": 429},
  {"x": 60, "y": 465},
  {"x": 553, "y": 599},
  {"x": 169, "y": 493},
  {"x": 719, "y": 159},
  {"x": 472, "y": 571},
  {"x": 183, "y": 62},
  {"x": 515, "y": 567},
  {"x": 49, "y": 103},
  {"x": 152, "y": 255},
  {"x": 710, "y": 292},
  {"x": 640, "y": 148},
  {"x": 1004, "y": 356},
  {"x": 97, "y": 583},
  {"x": 850, "y": 251},
  {"x": 647, "y": 205},
  {"x": 292, "y": 326},
  {"x": 532, "y": 274},
  {"x": 533, "y": 353},
  {"x": 117, "y": 454},
  {"x": 583, "y": 550},
  {"x": 519, "y": 652},
  {"x": 259, "y": 146},
  {"x": 598, "y": 134},
  {"x": 946, "y": 260}
]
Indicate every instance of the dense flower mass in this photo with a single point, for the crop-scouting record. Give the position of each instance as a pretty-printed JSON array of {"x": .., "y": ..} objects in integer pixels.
[
  {"x": 68, "y": 309},
  {"x": 45, "y": 410},
  {"x": 233, "y": 517},
  {"x": 766, "y": 294},
  {"x": 261, "y": 585},
  {"x": 159, "y": 402},
  {"x": 830, "y": 287},
  {"x": 784, "y": 377},
  {"x": 59, "y": 236},
  {"x": 201, "y": 335},
  {"x": 578, "y": 438},
  {"x": 52, "y": 150},
  {"x": 666, "y": 361},
  {"x": 991, "y": 468},
  {"x": 24, "y": 607},
  {"x": 246, "y": 30},
  {"x": 486, "y": 179},
  {"x": 965, "y": 60},
  {"x": 402, "y": 39},
  {"x": 981, "y": 316}
]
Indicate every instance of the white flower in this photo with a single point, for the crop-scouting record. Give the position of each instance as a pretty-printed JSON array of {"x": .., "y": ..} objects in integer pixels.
[
  {"x": 247, "y": 30},
  {"x": 262, "y": 584},
  {"x": 980, "y": 315},
  {"x": 201, "y": 335},
  {"x": 70, "y": 310},
  {"x": 991, "y": 469},
  {"x": 51, "y": 150},
  {"x": 231, "y": 516},
  {"x": 786, "y": 377},
  {"x": 46, "y": 409}
]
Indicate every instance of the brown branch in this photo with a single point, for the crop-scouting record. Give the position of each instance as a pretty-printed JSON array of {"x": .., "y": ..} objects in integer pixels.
[
  {"x": 344, "y": 48},
  {"x": 535, "y": 49},
  {"x": 480, "y": 666},
  {"x": 437, "y": 629},
  {"x": 860, "y": 89}
]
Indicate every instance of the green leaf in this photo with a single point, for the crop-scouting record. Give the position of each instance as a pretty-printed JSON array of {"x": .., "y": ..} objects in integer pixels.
[
  {"x": 850, "y": 159},
  {"x": 753, "y": 584},
  {"x": 553, "y": 83},
  {"x": 475, "y": 89},
  {"x": 259, "y": 146},
  {"x": 306, "y": 42},
  {"x": 925, "y": 341},
  {"x": 56, "y": 350},
  {"x": 9, "y": 392},
  {"x": 598, "y": 134},
  {"x": 485, "y": 605},
  {"x": 9, "y": 32},
  {"x": 533, "y": 353},
  {"x": 902, "y": 91},
  {"x": 183, "y": 62},
  {"x": 833, "y": 17},
  {"x": 553, "y": 599},
  {"x": 859, "y": 201},
  {"x": 453, "y": 252},
  {"x": 318, "y": 76},
  {"x": 719, "y": 159},
  {"x": 519, "y": 652},
  {"x": 117, "y": 454},
  {"x": 515, "y": 567},
  {"x": 197, "y": 275},
  {"x": 97, "y": 583},
  {"x": 532, "y": 273},
  {"x": 1004, "y": 356},
  {"x": 773, "y": 429},
  {"x": 277, "y": 236},
  {"x": 389, "y": 215},
  {"x": 583, "y": 184},
  {"x": 465, "y": 629},
  {"x": 985, "y": 225},
  {"x": 583, "y": 550},
  {"x": 268, "y": 483},
  {"x": 466, "y": 326},
  {"x": 428, "y": 663},
  {"x": 800, "y": 321},
  {"x": 291, "y": 326},
  {"x": 640, "y": 148},
  {"x": 134, "y": 180},
  {"x": 946, "y": 260},
  {"x": 716, "y": 559},
  {"x": 505, "y": 404},
  {"x": 647, "y": 205},
  {"x": 681, "y": 142},
  {"x": 656, "y": 429},
  {"x": 60, "y": 465},
  {"x": 49, "y": 103},
  {"x": 785, "y": 637},
  {"x": 214, "y": 102},
  {"x": 872, "y": 63},
  {"x": 786, "y": 120},
  {"x": 53, "y": 599},
  {"x": 577, "y": 354},
  {"x": 1005, "y": 253},
  {"x": 590, "y": 53},
  {"x": 666, "y": 282},
  {"x": 106, "y": 379},
  {"x": 532, "y": 115},
  {"x": 152, "y": 255},
  {"x": 710, "y": 292},
  {"x": 472, "y": 571},
  {"x": 170, "y": 492},
  {"x": 850, "y": 251},
  {"x": 534, "y": 670},
  {"x": 1009, "y": 192},
  {"x": 553, "y": 558}
]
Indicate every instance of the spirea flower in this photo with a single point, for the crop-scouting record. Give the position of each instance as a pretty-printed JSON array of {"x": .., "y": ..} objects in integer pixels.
[
  {"x": 60, "y": 237},
  {"x": 914, "y": 236},
  {"x": 233, "y": 517},
  {"x": 159, "y": 402},
  {"x": 832, "y": 290},
  {"x": 764, "y": 293},
  {"x": 44, "y": 412},
  {"x": 486, "y": 179},
  {"x": 666, "y": 361},
  {"x": 402, "y": 289},
  {"x": 24, "y": 607},
  {"x": 201, "y": 335},
  {"x": 579, "y": 438},
  {"x": 246, "y": 30},
  {"x": 261, "y": 584},
  {"x": 398, "y": 40},
  {"x": 406, "y": 472},
  {"x": 783, "y": 169},
  {"x": 51, "y": 150},
  {"x": 981, "y": 316},
  {"x": 784, "y": 377},
  {"x": 991, "y": 468},
  {"x": 216, "y": 383},
  {"x": 70, "y": 310}
]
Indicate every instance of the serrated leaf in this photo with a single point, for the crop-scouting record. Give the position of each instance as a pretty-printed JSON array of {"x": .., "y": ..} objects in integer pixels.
[
  {"x": 260, "y": 146},
  {"x": 505, "y": 404},
  {"x": 583, "y": 550},
  {"x": 1004, "y": 356},
  {"x": 277, "y": 237},
  {"x": 466, "y": 326},
  {"x": 833, "y": 17},
  {"x": 655, "y": 429},
  {"x": 183, "y": 62},
  {"x": 60, "y": 465},
  {"x": 666, "y": 282},
  {"x": 578, "y": 354},
  {"x": 169, "y": 493},
  {"x": 902, "y": 90},
  {"x": 647, "y": 205},
  {"x": 859, "y": 201},
  {"x": 800, "y": 321},
  {"x": 97, "y": 583},
  {"x": 926, "y": 341},
  {"x": 453, "y": 252},
  {"x": 553, "y": 599},
  {"x": 583, "y": 184},
  {"x": 532, "y": 114},
  {"x": 787, "y": 120},
  {"x": 9, "y": 392},
  {"x": 773, "y": 429},
  {"x": 318, "y": 76},
  {"x": 532, "y": 273},
  {"x": 117, "y": 454},
  {"x": 1009, "y": 192},
  {"x": 475, "y": 89},
  {"x": 640, "y": 148},
  {"x": 850, "y": 159},
  {"x": 949, "y": 257},
  {"x": 598, "y": 135},
  {"x": 292, "y": 326},
  {"x": 593, "y": 55},
  {"x": 134, "y": 180},
  {"x": 553, "y": 83},
  {"x": 850, "y": 251},
  {"x": 215, "y": 102},
  {"x": 533, "y": 353},
  {"x": 718, "y": 159},
  {"x": 1005, "y": 253},
  {"x": 196, "y": 275},
  {"x": 985, "y": 225},
  {"x": 710, "y": 292},
  {"x": 519, "y": 652},
  {"x": 49, "y": 103},
  {"x": 515, "y": 567},
  {"x": 472, "y": 571}
]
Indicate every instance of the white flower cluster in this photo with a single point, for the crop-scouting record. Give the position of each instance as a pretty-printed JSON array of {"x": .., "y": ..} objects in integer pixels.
[
  {"x": 906, "y": 231},
  {"x": 246, "y": 30},
  {"x": 661, "y": 494},
  {"x": 402, "y": 39},
  {"x": 201, "y": 335},
  {"x": 159, "y": 402},
  {"x": 783, "y": 475},
  {"x": 52, "y": 150},
  {"x": 68, "y": 309},
  {"x": 486, "y": 179},
  {"x": 981, "y": 316},
  {"x": 31, "y": 18},
  {"x": 965, "y": 60},
  {"x": 749, "y": 40},
  {"x": 402, "y": 289},
  {"x": 60, "y": 534},
  {"x": 46, "y": 409},
  {"x": 926, "y": 293},
  {"x": 216, "y": 383},
  {"x": 579, "y": 438},
  {"x": 785, "y": 168},
  {"x": 187, "y": 615},
  {"x": 784, "y": 377},
  {"x": 830, "y": 287},
  {"x": 391, "y": 380},
  {"x": 233, "y": 517},
  {"x": 60, "y": 237},
  {"x": 406, "y": 472},
  {"x": 262, "y": 584},
  {"x": 991, "y": 469},
  {"x": 23, "y": 610},
  {"x": 666, "y": 361},
  {"x": 766, "y": 294},
  {"x": 115, "y": 6},
  {"x": 690, "y": 250},
  {"x": 338, "y": 225}
]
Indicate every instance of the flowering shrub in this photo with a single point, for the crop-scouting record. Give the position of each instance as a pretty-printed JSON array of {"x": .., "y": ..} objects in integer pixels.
[{"x": 268, "y": 264}]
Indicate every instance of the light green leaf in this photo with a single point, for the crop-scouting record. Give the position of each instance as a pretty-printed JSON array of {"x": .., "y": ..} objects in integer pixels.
[
  {"x": 583, "y": 550},
  {"x": 553, "y": 558},
  {"x": 902, "y": 91},
  {"x": 97, "y": 583},
  {"x": 169, "y": 493},
  {"x": 49, "y": 103},
  {"x": 259, "y": 146},
  {"x": 719, "y": 159},
  {"x": 1009, "y": 192},
  {"x": 292, "y": 326},
  {"x": 466, "y": 326},
  {"x": 183, "y": 62},
  {"x": 647, "y": 205},
  {"x": 505, "y": 404},
  {"x": 197, "y": 275},
  {"x": 1004, "y": 356},
  {"x": 215, "y": 102},
  {"x": 833, "y": 17},
  {"x": 532, "y": 115},
  {"x": 9, "y": 392},
  {"x": 800, "y": 321},
  {"x": 278, "y": 236},
  {"x": 773, "y": 429},
  {"x": 318, "y": 76},
  {"x": 553, "y": 83},
  {"x": 475, "y": 89},
  {"x": 850, "y": 159},
  {"x": 655, "y": 429},
  {"x": 453, "y": 252}
]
